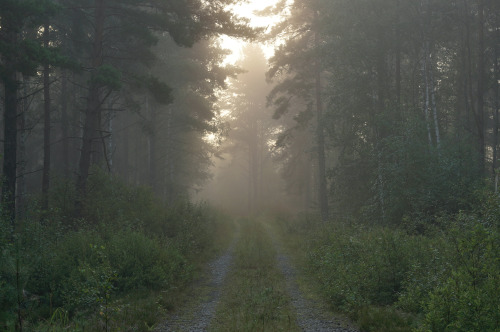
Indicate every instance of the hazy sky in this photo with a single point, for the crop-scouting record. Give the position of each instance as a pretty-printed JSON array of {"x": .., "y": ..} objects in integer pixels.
[{"x": 248, "y": 10}]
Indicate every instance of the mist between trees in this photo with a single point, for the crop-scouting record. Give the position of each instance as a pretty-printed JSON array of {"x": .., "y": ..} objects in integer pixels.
[{"x": 382, "y": 112}]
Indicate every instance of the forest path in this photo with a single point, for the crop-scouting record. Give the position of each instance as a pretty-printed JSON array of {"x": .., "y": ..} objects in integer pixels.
[
  {"x": 198, "y": 313},
  {"x": 253, "y": 286},
  {"x": 312, "y": 314}
]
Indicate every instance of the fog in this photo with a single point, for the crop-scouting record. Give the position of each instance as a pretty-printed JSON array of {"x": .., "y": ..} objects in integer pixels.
[{"x": 246, "y": 178}]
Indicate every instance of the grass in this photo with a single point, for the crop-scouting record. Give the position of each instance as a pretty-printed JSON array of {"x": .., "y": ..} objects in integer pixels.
[{"x": 254, "y": 297}]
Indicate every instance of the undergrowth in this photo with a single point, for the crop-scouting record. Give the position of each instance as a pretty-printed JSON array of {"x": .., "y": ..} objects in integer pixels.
[
  {"x": 443, "y": 278},
  {"x": 120, "y": 267}
]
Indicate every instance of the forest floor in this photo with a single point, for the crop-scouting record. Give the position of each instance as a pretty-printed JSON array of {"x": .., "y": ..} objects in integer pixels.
[{"x": 253, "y": 286}]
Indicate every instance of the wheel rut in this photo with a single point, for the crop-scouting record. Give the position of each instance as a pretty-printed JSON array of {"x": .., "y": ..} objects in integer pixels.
[
  {"x": 311, "y": 315},
  {"x": 197, "y": 317}
]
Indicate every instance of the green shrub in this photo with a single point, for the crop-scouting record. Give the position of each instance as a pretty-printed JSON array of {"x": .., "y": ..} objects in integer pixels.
[
  {"x": 359, "y": 266},
  {"x": 446, "y": 278},
  {"x": 91, "y": 283},
  {"x": 80, "y": 274},
  {"x": 468, "y": 300},
  {"x": 142, "y": 262},
  {"x": 383, "y": 319},
  {"x": 431, "y": 263}
]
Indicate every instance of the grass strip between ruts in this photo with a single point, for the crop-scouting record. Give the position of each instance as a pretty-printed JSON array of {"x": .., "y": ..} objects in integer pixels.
[{"x": 254, "y": 297}]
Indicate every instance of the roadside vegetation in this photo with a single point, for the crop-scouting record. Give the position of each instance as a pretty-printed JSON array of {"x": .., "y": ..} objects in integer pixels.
[
  {"x": 121, "y": 266},
  {"x": 440, "y": 276},
  {"x": 255, "y": 296}
]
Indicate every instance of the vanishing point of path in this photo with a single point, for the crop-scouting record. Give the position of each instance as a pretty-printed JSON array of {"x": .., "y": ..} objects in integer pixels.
[{"x": 220, "y": 295}]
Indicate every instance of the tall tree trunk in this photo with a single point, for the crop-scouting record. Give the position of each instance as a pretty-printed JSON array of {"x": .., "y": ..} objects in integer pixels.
[
  {"x": 252, "y": 165},
  {"x": 21, "y": 159},
  {"x": 470, "y": 96},
  {"x": 65, "y": 123},
  {"x": 398, "y": 59},
  {"x": 398, "y": 74},
  {"x": 262, "y": 158},
  {"x": 426, "y": 95},
  {"x": 433, "y": 97},
  {"x": 496, "y": 88},
  {"x": 308, "y": 184},
  {"x": 380, "y": 131},
  {"x": 91, "y": 130},
  {"x": 125, "y": 162},
  {"x": 480, "y": 85},
  {"x": 463, "y": 122},
  {"x": 46, "y": 124},
  {"x": 169, "y": 159},
  {"x": 10, "y": 129},
  {"x": 152, "y": 140},
  {"x": 320, "y": 136},
  {"x": 110, "y": 145}
]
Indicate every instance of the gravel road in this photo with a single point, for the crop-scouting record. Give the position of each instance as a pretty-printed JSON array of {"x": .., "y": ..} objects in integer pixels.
[
  {"x": 199, "y": 318},
  {"x": 311, "y": 316}
]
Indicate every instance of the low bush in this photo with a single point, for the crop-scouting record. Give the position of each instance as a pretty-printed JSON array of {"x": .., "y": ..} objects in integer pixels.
[
  {"x": 446, "y": 278},
  {"x": 467, "y": 300},
  {"x": 57, "y": 271}
]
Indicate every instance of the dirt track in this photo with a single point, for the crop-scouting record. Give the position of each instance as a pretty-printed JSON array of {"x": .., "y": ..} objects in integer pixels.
[{"x": 311, "y": 315}]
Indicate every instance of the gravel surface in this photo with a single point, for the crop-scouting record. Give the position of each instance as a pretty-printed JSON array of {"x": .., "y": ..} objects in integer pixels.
[
  {"x": 311, "y": 315},
  {"x": 198, "y": 319}
]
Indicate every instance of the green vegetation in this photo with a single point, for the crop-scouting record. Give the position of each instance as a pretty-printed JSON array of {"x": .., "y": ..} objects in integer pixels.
[
  {"x": 255, "y": 298},
  {"x": 445, "y": 277},
  {"x": 120, "y": 266}
]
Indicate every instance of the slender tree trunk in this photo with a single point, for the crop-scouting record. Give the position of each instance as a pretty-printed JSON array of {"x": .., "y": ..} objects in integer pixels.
[
  {"x": 433, "y": 98},
  {"x": 398, "y": 74},
  {"x": 262, "y": 158},
  {"x": 320, "y": 136},
  {"x": 464, "y": 122},
  {"x": 398, "y": 60},
  {"x": 21, "y": 160},
  {"x": 381, "y": 185},
  {"x": 169, "y": 160},
  {"x": 124, "y": 165},
  {"x": 65, "y": 123},
  {"x": 250, "y": 180},
  {"x": 496, "y": 88},
  {"x": 480, "y": 85},
  {"x": 308, "y": 184},
  {"x": 91, "y": 128},
  {"x": 426, "y": 95},
  {"x": 252, "y": 165},
  {"x": 46, "y": 124},
  {"x": 152, "y": 139},
  {"x": 380, "y": 132},
  {"x": 471, "y": 95},
  {"x": 10, "y": 129},
  {"x": 109, "y": 155}
]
